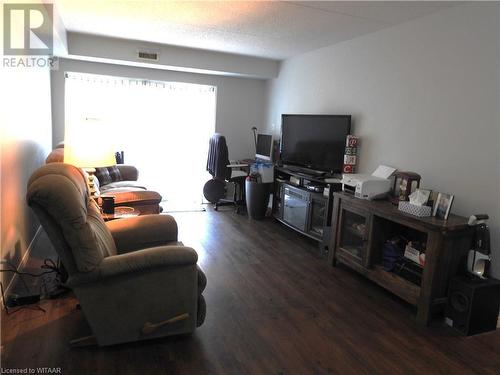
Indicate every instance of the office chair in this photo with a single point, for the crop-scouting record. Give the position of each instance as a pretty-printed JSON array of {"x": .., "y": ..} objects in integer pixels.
[{"x": 222, "y": 172}]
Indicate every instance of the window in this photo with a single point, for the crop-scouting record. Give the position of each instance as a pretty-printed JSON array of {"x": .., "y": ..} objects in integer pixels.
[{"x": 163, "y": 127}]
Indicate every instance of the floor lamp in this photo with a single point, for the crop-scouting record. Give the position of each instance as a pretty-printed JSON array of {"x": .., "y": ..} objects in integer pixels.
[{"x": 88, "y": 145}]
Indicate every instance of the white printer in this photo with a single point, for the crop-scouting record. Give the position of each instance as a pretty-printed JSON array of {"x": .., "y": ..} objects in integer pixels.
[{"x": 366, "y": 186}]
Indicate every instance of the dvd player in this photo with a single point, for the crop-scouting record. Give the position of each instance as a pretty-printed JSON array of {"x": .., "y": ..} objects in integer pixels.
[{"x": 315, "y": 187}]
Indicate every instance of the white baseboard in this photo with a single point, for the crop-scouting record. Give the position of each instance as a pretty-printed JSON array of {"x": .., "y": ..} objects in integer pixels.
[{"x": 22, "y": 263}]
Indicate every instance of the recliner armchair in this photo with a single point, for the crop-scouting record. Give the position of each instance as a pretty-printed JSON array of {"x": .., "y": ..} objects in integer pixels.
[{"x": 133, "y": 279}]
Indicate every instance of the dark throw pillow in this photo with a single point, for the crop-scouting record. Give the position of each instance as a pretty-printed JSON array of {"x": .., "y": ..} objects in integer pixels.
[
  {"x": 115, "y": 174},
  {"x": 103, "y": 176}
]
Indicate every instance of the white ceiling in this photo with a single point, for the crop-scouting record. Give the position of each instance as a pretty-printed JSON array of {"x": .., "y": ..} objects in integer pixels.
[{"x": 270, "y": 29}]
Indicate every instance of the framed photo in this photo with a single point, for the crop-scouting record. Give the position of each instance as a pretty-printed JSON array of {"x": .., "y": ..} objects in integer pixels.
[{"x": 442, "y": 206}]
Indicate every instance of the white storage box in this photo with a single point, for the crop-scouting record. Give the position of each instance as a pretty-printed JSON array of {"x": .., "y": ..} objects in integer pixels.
[
  {"x": 414, "y": 255},
  {"x": 420, "y": 211},
  {"x": 266, "y": 171}
]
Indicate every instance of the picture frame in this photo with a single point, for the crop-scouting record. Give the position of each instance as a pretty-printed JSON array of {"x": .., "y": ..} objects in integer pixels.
[{"x": 442, "y": 206}]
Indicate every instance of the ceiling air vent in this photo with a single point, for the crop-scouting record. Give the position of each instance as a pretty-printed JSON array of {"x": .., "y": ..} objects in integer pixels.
[{"x": 148, "y": 55}]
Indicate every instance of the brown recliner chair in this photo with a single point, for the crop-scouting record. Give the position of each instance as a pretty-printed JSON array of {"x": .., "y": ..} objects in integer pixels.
[{"x": 133, "y": 280}]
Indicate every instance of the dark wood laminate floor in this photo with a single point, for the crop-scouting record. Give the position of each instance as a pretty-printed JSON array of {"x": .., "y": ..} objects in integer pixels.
[{"x": 274, "y": 307}]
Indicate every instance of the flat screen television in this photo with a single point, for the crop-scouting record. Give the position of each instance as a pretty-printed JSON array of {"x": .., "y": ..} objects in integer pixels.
[{"x": 315, "y": 142}]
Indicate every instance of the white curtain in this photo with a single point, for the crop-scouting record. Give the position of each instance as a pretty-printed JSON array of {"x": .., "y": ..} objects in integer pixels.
[{"x": 163, "y": 127}]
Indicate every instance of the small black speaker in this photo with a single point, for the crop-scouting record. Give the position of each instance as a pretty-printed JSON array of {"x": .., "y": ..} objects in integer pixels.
[
  {"x": 108, "y": 205},
  {"x": 473, "y": 304},
  {"x": 276, "y": 152}
]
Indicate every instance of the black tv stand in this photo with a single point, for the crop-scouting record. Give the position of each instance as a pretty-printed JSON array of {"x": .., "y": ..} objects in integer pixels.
[
  {"x": 311, "y": 210},
  {"x": 305, "y": 171}
]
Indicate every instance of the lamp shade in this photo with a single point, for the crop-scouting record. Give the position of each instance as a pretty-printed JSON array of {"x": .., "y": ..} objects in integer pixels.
[{"x": 88, "y": 143}]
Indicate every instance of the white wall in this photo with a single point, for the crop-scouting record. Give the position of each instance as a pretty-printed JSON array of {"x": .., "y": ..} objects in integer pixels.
[
  {"x": 424, "y": 96},
  {"x": 171, "y": 57},
  {"x": 25, "y": 141},
  {"x": 240, "y": 101},
  {"x": 24, "y": 144}
]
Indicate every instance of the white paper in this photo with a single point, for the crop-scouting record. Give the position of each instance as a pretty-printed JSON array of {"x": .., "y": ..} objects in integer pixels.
[
  {"x": 383, "y": 171},
  {"x": 419, "y": 197}
]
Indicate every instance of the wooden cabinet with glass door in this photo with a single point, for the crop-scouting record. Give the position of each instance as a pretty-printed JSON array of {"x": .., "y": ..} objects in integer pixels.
[
  {"x": 352, "y": 239},
  {"x": 361, "y": 229}
]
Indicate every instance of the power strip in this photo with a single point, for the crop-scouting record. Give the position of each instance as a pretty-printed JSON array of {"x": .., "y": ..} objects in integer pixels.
[{"x": 15, "y": 300}]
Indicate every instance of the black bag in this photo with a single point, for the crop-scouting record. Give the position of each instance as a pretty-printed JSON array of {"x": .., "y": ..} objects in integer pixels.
[{"x": 392, "y": 252}]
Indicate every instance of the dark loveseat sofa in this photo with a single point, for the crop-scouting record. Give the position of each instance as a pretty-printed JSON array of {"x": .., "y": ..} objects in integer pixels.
[{"x": 126, "y": 190}]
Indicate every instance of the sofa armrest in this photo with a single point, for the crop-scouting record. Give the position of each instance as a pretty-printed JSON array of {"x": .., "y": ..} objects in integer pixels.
[
  {"x": 128, "y": 172},
  {"x": 137, "y": 261},
  {"x": 142, "y": 232}
]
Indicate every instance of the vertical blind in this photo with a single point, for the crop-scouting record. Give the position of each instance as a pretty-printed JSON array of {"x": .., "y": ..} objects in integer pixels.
[{"x": 163, "y": 127}]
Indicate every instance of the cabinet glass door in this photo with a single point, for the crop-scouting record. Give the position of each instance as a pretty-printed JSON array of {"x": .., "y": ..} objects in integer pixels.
[
  {"x": 353, "y": 234},
  {"x": 277, "y": 202},
  {"x": 318, "y": 217},
  {"x": 296, "y": 207}
]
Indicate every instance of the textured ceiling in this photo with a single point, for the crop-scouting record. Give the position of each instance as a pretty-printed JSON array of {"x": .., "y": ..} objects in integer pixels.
[{"x": 271, "y": 29}]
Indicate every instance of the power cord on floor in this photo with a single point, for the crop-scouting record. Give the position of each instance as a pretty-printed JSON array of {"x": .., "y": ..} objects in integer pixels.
[
  {"x": 31, "y": 300},
  {"x": 29, "y": 273},
  {"x": 9, "y": 311},
  {"x": 22, "y": 279}
]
